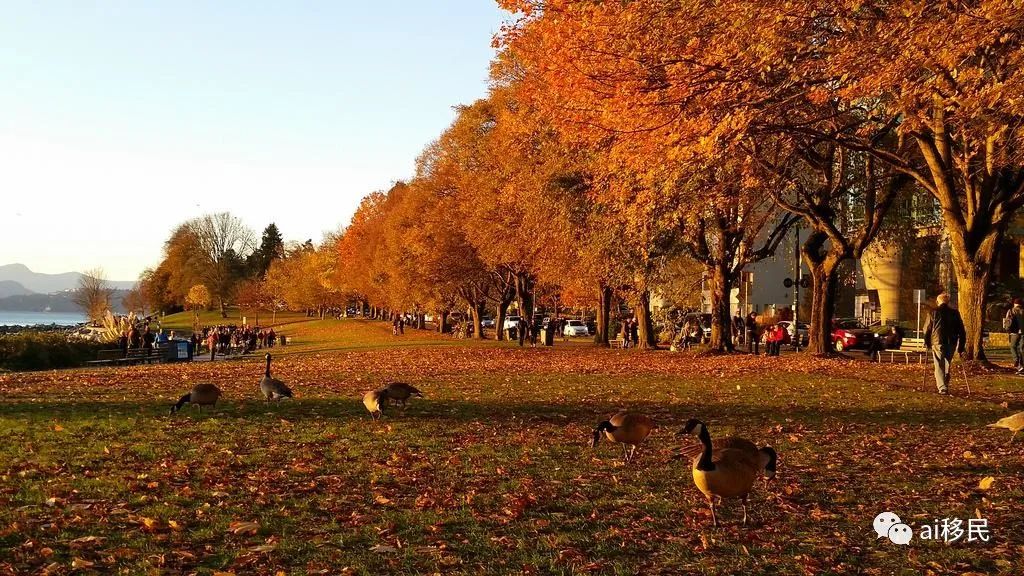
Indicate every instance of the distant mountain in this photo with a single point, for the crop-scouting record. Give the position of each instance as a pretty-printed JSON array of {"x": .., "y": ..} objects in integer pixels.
[
  {"x": 12, "y": 288},
  {"x": 35, "y": 282},
  {"x": 53, "y": 302}
]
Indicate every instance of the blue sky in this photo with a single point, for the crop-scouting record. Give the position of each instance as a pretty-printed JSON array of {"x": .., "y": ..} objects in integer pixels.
[{"x": 119, "y": 120}]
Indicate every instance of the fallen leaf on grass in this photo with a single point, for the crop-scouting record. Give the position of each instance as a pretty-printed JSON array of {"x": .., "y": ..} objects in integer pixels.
[
  {"x": 986, "y": 483},
  {"x": 264, "y": 548},
  {"x": 383, "y": 549},
  {"x": 77, "y": 563},
  {"x": 243, "y": 527}
]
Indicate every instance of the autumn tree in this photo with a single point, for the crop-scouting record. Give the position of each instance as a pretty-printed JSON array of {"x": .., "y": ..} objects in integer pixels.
[
  {"x": 945, "y": 114},
  {"x": 93, "y": 294},
  {"x": 198, "y": 298},
  {"x": 223, "y": 242}
]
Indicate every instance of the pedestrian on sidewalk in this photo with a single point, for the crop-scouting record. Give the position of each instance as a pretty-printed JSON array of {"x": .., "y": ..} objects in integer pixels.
[{"x": 944, "y": 335}]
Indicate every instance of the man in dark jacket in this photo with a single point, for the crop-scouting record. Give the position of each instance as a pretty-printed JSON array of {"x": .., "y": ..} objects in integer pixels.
[
  {"x": 943, "y": 335},
  {"x": 1013, "y": 322}
]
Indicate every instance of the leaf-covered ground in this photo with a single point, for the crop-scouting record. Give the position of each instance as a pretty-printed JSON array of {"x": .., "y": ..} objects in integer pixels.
[{"x": 491, "y": 473}]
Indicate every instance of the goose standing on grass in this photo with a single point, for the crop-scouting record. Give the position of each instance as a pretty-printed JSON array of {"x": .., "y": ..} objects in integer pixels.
[
  {"x": 400, "y": 392},
  {"x": 271, "y": 387},
  {"x": 626, "y": 428},
  {"x": 766, "y": 459},
  {"x": 375, "y": 400},
  {"x": 726, "y": 472},
  {"x": 201, "y": 395},
  {"x": 1014, "y": 423}
]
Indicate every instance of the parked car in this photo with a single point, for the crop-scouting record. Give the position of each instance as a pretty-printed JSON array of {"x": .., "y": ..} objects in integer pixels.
[
  {"x": 575, "y": 328},
  {"x": 487, "y": 322},
  {"x": 510, "y": 322},
  {"x": 849, "y": 333},
  {"x": 802, "y": 327}
]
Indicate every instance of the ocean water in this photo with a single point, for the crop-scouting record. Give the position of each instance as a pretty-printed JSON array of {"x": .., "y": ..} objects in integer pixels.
[{"x": 32, "y": 318}]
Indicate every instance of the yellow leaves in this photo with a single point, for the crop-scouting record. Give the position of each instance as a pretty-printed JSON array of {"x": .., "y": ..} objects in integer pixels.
[{"x": 986, "y": 483}]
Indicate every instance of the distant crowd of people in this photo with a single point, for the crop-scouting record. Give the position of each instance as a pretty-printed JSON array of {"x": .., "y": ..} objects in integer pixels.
[
  {"x": 144, "y": 334},
  {"x": 223, "y": 339}
]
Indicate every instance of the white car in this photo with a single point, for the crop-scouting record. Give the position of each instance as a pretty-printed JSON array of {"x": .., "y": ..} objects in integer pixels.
[
  {"x": 487, "y": 322},
  {"x": 575, "y": 328},
  {"x": 510, "y": 322}
]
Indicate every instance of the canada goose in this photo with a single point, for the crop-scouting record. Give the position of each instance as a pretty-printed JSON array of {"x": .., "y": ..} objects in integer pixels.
[
  {"x": 271, "y": 387},
  {"x": 723, "y": 472},
  {"x": 375, "y": 400},
  {"x": 400, "y": 392},
  {"x": 764, "y": 459},
  {"x": 201, "y": 395},
  {"x": 626, "y": 428},
  {"x": 1014, "y": 423}
]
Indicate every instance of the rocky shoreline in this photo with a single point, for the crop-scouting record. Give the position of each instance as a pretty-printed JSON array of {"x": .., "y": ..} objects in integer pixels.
[{"x": 48, "y": 328}]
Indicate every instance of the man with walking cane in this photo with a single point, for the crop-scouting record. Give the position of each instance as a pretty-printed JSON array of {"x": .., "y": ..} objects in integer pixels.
[{"x": 943, "y": 335}]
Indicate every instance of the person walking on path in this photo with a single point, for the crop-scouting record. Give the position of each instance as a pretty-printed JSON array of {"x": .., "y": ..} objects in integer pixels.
[
  {"x": 751, "y": 333},
  {"x": 1013, "y": 323},
  {"x": 211, "y": 341},
  {"x": 625, "y": 333},
  {"x": 634, "y": 332},
  {"x": 944, "y": 335}
]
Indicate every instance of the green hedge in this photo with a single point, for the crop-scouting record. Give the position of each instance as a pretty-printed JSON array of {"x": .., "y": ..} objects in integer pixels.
[{"x": 44, "y": 351}]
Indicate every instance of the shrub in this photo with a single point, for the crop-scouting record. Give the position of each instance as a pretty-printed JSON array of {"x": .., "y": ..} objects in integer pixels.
[{"x": 44, "y": 351}]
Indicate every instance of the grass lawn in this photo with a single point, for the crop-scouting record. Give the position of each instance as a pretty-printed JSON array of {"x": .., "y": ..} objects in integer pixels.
[
  {"x": 182, "y": 321},
  {"x": 492, "y": 473}
]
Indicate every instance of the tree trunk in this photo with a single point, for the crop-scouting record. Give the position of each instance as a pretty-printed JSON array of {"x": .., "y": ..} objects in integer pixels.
[
  {"x": 442, "y": 325},
  {"x": 721, "y": 321},
  {"x": 477, "y": 310},
  {"x": 502, "y": 311},
  {"x": 823, "y": 294},
  {"x": 524, "y": 296},
  {"x": 972, "y": 280},
  {"x": 223, "y": 308},
  {"x": 645, "y": 330},
  {"x": 604, "y": 308},
  {"x": 421, "y": 321}
]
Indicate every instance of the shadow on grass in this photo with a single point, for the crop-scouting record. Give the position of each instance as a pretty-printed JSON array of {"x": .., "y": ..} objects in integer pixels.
[{"x": 503, "y": 414}]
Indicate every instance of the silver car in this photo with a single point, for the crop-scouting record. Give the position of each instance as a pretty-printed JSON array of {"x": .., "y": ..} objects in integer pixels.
[{"x": 575, "y": 328}]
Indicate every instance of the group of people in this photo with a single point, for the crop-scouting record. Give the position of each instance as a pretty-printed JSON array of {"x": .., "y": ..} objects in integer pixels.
[
  {"x": 223, "y": 338},
  {"x": 630, "y": 331},
  {"x": 398, "y": 325},
  {"x": 142, "y": 335}
]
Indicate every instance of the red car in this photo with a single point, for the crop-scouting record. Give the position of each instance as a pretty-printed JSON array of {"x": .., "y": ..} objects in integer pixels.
[{"x": 849, "y": 333}]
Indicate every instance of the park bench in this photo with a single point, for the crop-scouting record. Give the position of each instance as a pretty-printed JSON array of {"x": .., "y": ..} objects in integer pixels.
[
  {"x": 909, "y": 347},
  {"x": 617, "y": 343},
  {"x": 134, "y": 356}
]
